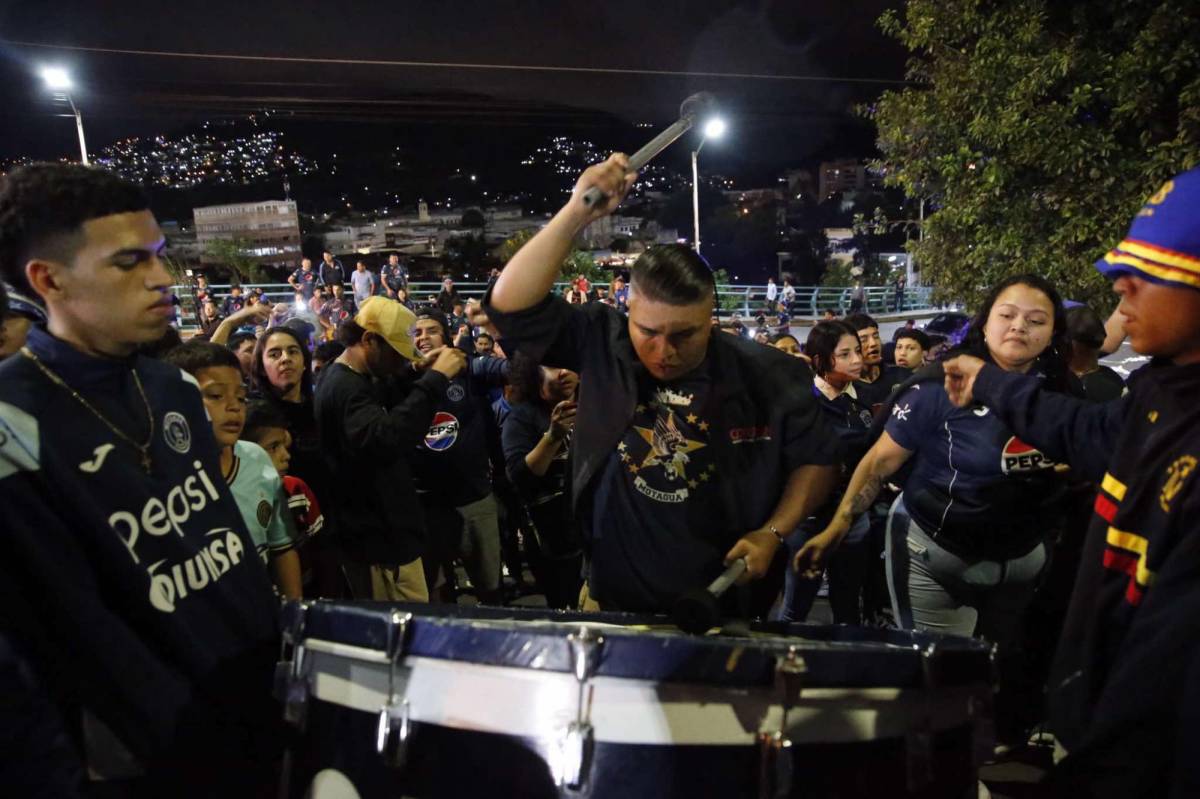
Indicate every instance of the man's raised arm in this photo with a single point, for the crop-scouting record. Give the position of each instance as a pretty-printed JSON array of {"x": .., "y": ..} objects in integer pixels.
[{"x": 531, "y": 273}]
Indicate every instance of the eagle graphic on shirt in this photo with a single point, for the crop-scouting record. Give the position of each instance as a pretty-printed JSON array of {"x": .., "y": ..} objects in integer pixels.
[{"x": 670, "y": 440}]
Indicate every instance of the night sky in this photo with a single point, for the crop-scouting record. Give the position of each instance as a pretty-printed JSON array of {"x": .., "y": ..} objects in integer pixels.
[{"x": 774, "y": 122}]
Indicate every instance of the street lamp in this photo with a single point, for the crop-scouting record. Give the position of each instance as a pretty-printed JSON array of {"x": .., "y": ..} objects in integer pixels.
[
  {"x": 59, "y": 81},
  {"x": 714, "y": 128}
]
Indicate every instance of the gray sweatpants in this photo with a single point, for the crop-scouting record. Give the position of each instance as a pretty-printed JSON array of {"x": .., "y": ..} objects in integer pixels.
[{"x": 935, "y": 590}]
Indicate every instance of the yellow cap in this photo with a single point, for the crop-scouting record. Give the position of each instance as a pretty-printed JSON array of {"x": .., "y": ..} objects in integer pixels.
[{"x": 391, "y": 320}]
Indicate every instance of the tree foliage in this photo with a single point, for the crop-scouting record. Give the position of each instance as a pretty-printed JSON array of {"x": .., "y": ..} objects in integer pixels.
[
  {"x": 578, "y": 262},
  {"x": 1037, "y": 128},
  {"x": 467, "y": 254},
  {"x": 744, "y": 241},
  {"x": 473, "y": 218},
  {"x": 234, "y": 255}
]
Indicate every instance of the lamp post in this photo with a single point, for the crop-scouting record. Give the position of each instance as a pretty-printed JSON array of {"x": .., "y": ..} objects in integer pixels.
[
  {"x": 59, "y": 82},
  {"x": 713, "y": 129}
]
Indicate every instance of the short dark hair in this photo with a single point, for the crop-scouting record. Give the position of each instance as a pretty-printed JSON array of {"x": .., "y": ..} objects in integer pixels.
[
  {"x": 918, "y": 336},
  {"x": 261, "y": 415},
  {"x": 328, "y": 351},
  {"x": 237, "y": 339},
  {"x": 43, "y": 208},
  {"x": 193, "y": 356},
  {"x": 482, "y": 336},
  {"x": 350, "y": 333},
  {"x": 1085, "y": 327},
  {"x": 673, "y": 274},
  {"x": 822, "y": 343},
  {"x": 860, "y": 321}
]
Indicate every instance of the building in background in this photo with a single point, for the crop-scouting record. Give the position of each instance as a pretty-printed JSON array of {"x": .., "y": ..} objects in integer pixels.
[
  {"x": 844, "y": 176},
  {"x": 269, "y": 229}
]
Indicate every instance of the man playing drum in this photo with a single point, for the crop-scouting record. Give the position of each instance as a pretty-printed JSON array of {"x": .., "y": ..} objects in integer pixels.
[{"x": 691, "y": 449}]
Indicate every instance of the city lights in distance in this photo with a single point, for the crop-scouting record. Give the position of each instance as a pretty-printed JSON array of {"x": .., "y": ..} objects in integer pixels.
[{"x": 56, "y": 78}]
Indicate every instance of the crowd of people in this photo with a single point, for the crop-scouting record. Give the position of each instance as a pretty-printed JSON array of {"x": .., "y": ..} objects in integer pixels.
[{"x": 621, "y": 447}]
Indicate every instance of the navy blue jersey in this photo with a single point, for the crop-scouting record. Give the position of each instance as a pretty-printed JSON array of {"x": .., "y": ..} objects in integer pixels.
[
  {"x": 231, "y": 305},
  {"x": 305, "y": 282},
  {"x": 452, "y": 465},
  {"x": 976, "y": 487},
  {"x": 393, "y": 277},
  {"x": 130, "y": 589}
]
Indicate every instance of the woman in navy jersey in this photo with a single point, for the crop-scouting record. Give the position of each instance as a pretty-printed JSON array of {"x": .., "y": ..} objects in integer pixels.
[
  {"x": 966, "y": 536},
  {"x": 837, "y": 363}
]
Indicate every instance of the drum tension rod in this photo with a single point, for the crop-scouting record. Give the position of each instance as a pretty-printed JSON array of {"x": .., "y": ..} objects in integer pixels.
[
  {"x": 919, "y": 744},
  {"x": 775, "y": 748},
  {"x": 576, "y": 747},
  {"x": 291, "y": 684},
  {"x": 981, "y": 710},
  {"x": 394, "y": 727}
]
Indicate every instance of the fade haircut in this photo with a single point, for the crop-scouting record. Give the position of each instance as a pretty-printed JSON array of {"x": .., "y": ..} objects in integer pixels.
[
  {"x": 672, "y": 274},
  {"x": 43, "y": 208},
  {"x": 328, "y": 351},
  {"x": 196, "y": 355},
  {"x": 1084, "y": 326},
  {"x": 262, "y": 415},
  {"x": 919, "y": 336},
  {"x": 860, "y": 321}
]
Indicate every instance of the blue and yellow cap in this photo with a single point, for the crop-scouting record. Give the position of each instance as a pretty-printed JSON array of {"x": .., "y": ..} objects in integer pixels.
[{"x": 1163, "y": 244}]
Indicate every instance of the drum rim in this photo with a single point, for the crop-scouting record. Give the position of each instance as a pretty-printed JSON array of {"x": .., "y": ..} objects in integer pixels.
[{"x": 501, "y": 637}]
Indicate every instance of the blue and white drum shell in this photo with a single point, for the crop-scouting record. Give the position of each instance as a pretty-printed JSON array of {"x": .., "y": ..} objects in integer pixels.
[{"x": 508, "y": 702}]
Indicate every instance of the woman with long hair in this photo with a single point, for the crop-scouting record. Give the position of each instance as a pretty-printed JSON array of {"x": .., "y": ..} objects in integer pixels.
[
  {"x": 836, "y": 357},
  {"x": 537, "y": 438},
  {"x": 282, "y": 376},
  {"x": 967, "y": 536}
]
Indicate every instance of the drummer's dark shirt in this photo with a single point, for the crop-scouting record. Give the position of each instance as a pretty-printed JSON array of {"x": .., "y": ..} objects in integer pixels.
[{"x": 658, "y": 527}]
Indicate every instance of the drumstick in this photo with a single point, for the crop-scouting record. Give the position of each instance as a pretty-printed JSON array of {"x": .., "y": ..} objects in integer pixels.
[{"x": 698, "y": 611}]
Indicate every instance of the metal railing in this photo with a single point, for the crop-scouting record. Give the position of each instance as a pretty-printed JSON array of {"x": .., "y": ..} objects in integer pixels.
[{"x": 749, "y": 301}]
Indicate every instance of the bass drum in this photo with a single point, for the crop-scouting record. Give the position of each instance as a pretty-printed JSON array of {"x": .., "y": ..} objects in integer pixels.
[{"x": 425, "y": 702}]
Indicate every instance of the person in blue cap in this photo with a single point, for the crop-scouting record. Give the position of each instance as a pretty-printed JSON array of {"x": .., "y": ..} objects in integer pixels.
[{"x": 1124, "y": 693}]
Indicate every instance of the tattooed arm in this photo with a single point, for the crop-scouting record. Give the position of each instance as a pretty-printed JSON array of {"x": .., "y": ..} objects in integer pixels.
[{"x": 880, "y": 463}]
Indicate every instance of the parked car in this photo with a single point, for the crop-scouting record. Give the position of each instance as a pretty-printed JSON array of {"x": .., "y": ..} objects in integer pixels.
[{"x": 946, "y": 330}]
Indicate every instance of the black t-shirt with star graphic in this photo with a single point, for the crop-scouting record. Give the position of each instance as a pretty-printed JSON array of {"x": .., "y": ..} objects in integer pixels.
[{"x": 658, "y": 524}]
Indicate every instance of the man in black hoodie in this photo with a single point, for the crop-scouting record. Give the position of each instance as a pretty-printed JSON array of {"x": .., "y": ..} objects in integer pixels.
[
  {"x": 374, "y": 405},
  {"x": 1124, "y": 694}
]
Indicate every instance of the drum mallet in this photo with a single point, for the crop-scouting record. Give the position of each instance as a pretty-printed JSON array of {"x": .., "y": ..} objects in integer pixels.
[
  {"x": 698, "y": 610},
  {"x": 691, "y": 111}
]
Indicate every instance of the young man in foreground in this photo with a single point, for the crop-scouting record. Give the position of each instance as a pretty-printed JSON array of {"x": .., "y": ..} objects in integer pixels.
[
  {"x": 1124, "y": 694},
  {"x": 126, "y": 574}
]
